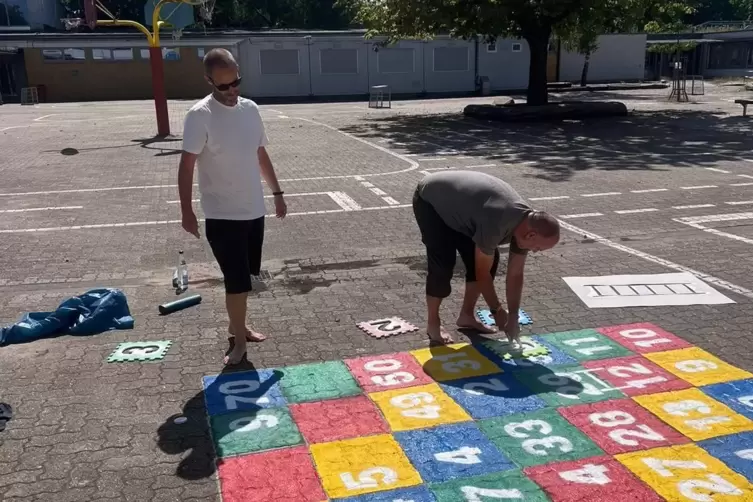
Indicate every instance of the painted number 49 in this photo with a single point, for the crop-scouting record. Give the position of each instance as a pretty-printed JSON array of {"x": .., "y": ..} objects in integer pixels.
[
  {"x": 410, "y": 405},
  {"x": 395, "y": 377}
]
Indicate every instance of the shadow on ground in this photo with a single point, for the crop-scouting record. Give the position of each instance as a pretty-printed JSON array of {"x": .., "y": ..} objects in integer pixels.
[{"x": 643, "y": 141}]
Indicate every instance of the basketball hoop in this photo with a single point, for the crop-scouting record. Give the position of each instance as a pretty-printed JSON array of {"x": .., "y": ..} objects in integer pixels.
[
  {"x": 72, "y": 23},
  {"x": 177, "y": 33}
]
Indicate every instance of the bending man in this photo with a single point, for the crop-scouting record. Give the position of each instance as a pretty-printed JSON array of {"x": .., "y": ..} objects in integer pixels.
[{"x": 472, "y": 213}]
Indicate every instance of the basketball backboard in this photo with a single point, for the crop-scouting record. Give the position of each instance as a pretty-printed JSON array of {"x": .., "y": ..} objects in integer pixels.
[{"x": 178, "y": 15}]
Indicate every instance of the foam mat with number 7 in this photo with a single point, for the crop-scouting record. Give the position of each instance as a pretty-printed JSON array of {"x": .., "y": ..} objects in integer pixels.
[{"x": 628, "y": 411}]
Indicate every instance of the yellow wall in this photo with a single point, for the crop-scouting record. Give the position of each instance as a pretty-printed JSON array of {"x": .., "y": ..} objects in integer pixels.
[{"x": 93, "y": 80}]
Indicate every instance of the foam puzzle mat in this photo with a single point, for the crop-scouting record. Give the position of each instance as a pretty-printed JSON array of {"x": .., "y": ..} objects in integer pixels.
[{"x": 628, "y": 412}]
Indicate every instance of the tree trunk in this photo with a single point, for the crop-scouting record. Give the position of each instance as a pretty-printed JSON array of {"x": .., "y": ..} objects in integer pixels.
[
  {"x": 537, "y": 79},
  {"x": 584, "y": 73}
]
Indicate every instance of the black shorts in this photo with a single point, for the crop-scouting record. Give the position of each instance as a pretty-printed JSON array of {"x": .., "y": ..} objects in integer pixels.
[
  {"x": 442, "y": 245},
  {"x": 237, "y": 246}
]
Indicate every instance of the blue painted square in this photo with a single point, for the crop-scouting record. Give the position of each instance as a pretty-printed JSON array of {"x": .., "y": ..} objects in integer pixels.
[
  {"x": 556, "y": 357},
  {"x": 246, "y": 390},
  {"x": 736, "y": 451},
  {"x": 492, "y": 396},
  {"x": 450, "y": 452},
  {"x": 485, "y": 316},
  {"x": 413, "y": 494},
  {"x": 737, "y": 395}
]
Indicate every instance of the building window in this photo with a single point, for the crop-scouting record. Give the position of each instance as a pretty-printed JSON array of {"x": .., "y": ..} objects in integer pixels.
[
  {"x": 63, "y": 54},
  {"x": 492, "y": 47},
  {"x": 168, "y": 54},
  {"x": 279, "y": 62},
  {"x": 200, "y": 52},
  {"x": 517, "y": 47},
  {"x": 102, "y": 54},
  {"x": 122, "y": 54}
]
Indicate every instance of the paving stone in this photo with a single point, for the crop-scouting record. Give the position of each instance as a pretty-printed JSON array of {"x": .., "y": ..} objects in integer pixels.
[
  {"x": 418, "y": 407},
  {"x": 250, "y": 431},
  {"x": 738, "y": 395},
  {"x": 416, "y": 494},
  {"x": 455, "y": 361},
  {"x": 336, "y": 419},
  {"x": 492, "y": 395},
  {"x": 506, "y": 485},
  {"x": 587, "y": 345},
  {"x": 567, "y": 385},
  {"x": 388, "y": 371},
  {"x": 317, "y": 381},
  {"x": 697, "y": 366},
  {"x": 635, "y": 375},
  {"x": 644, "y": 337}
]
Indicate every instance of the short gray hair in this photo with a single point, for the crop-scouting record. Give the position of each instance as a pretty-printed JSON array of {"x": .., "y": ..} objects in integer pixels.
[{"x": 218, "y": 58}]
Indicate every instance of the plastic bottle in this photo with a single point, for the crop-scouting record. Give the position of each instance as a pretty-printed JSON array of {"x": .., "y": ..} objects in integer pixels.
[{"x": 180, "y": 275}]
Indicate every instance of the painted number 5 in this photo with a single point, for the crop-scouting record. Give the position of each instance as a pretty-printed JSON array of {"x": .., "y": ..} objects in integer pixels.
[{"x": 366, "y": 479}]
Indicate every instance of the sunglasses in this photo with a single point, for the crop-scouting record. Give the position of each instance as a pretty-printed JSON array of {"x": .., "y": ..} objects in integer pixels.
[{"x": 225, "y": 87}]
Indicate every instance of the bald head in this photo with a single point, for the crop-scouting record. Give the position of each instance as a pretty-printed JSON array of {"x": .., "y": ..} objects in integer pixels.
[
  {"x": 538, "y": 232},
  {"x": 544, "y": 224},
  {"x": 219, "y": 59}
]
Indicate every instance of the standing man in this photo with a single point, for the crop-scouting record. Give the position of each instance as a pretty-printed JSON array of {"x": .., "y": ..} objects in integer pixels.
[
  {"x": 472, "y": 213},
  {"x": 224, "y": 134}
]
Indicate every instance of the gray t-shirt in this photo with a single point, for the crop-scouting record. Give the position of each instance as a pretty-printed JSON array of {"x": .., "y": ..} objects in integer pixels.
[{"x": 478, "y": 205}]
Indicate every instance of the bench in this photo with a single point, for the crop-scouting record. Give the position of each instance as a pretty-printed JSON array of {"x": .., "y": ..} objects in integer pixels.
[{"x": 744, "y": 103}]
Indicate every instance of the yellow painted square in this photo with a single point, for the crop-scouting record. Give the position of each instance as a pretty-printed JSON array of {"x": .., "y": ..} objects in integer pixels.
[
  {"x": 687, "y": 474},
  {"x": 418, "y": 407},
  {"x": 363, "y": 465},
  {"x": 695, "y": 414},
  {"x": 453, "y": 362},
  {"x": 696, "y": 366}
]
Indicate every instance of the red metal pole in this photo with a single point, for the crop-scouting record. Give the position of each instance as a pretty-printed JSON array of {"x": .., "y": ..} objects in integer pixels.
[{"x": 158, "y": 89}]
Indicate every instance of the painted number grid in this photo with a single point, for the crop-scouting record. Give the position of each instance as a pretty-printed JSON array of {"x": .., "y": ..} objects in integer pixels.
[{"x": 622, "y": 411}]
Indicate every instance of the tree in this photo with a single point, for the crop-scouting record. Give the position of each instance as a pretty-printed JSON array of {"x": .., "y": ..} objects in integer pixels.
[{"x": 535, "y": 21}]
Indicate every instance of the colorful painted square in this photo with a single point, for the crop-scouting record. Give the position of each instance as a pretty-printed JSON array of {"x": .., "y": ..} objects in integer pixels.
[
  {"x": 452, "y": 362},
  {"x": 697, "y": 366},
  {"x": 737, "y": 395},
  {"x": 317, "y": 381},
  {"x": 512, "y": 485},
  {"x": 496, "y": 351},
  {"x": 644, "y": 337},
  {"x": 595, "y": 479},
  {"x": 621, "y": 426},
  {"x": 363, "y": 465},
  {"x": 245, "y": 390},
  {"x": 695, "y": 414},
  {"x": 687, "y": 473},
  {"x": 285, "y": 474},
  {"x": 250, "y": 431},
  {"x": 566, "y": 386},
  {"x": 635, "y": 375},
  {"x": 539, "y": 437},
  {"x": 388, "y": 371},
  {"x": 414, "y": 494},
  {"x": 736, "y": 451},
  {"x": 587, "y": 345},
  {"x": 492, "y": 396},
  {"x": 336, "y": 419},
  {"x": 451, "y": 452},
  {"x": 418, "y": 407}
]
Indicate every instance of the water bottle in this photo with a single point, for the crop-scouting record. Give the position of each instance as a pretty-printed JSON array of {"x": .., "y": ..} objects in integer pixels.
[{"x": 180, "y": 275}]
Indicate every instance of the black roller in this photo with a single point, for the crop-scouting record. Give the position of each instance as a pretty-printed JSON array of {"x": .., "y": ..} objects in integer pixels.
[{"x": 174, "y": 306}]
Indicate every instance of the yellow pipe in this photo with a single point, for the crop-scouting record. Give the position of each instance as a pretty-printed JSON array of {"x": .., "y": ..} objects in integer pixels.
[
  {"x": 132, "y": 24},
  {"x": 156, "y": 23}
]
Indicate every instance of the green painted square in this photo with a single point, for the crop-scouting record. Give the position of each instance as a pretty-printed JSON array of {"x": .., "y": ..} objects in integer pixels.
[
  {"x": 512, "y": 485},
  {"x": 567, "y": 385},
  {"x": 254, "y": 430},
  {"x": 318, "y": 381},
  {"x": 540, "y": 437},
  {"x": 587, "y": 345}
]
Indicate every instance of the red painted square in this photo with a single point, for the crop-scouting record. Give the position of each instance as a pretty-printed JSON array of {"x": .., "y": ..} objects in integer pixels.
[
  {"x": 594, "y": 479},
  {"x": 644, "y": 337},
  {"x": 285, "y": 475},
  {"x": 622, "y": 426},
  {"x": 636, "y": 375},
  {"x": 336, "y": 419},
  {"x": 388, "y": 371}
]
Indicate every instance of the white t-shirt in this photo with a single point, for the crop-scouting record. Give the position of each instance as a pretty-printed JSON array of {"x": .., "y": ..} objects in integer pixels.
[{"x": 226, "y": 140}]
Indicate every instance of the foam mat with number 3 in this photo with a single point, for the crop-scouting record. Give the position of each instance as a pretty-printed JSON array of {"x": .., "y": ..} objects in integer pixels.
[{"x": 604, "y": 415}]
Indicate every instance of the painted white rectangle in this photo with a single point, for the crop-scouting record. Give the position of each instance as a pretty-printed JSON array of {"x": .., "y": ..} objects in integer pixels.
[
  {"x": 344, "y": 201},
  {"x": 745, "y": 176},
  {"x": 603, "y": 194},
  {"x": 481, "y": 165},
  {"x": 581, "y": 215},
  {"x": 378, "y": 191},
  {"x": 390, "y": 201},
  {"x": 698, "y": 187},
  {"x": 554, "y": 197},
  {"x": 433, "y": 159},
  {"x": 739, "y": 202},
  {"x": 650, "y": 190},
  {"x": 740, "y": 184},
  {"x": 717, "y": 170},
  {"x": 649, "y": 290},
  {"x": 632, "y": 211},
  {"x": 716, "y": 217},
  {"x": 693, "y": 206}
]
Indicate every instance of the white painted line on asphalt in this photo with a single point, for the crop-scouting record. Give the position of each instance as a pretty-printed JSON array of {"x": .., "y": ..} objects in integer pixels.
[
  {"x": 716, "y": 218},
  {"x": 699, "y": 187},
  {"x": 603, "y": 194},
  {"x": 367, "y": 184},
  {"x": 741, "y": 184},
  {"x": 555, "y": 197},
  {"x": 581, "y": 215},
  {"x": 694, "y": 206},
  {"x": 739, "y": 202},
  {"x": 390, "y": 201},
  {"x": 44, "y": 117},
  {"x": 283, "y": 117},
  {"x": 659, "y": 261},
  {"x": 359, "y": 178},
  {"x": 425, "y": 172},
  {"x": 172, "y": 222},
  {"x": 463, "y": 157},
  {"x": 432, "y": 159},
  {"x": 378, "y": 191},
  {"x": 481, "y": 165},
  {"x": 344, "y": 201},
  {"x": 696, "y": 223},
  {"x": 31, "y": 209},
  {"x": 82, "y": 190},
  {"x": 650, "y": 190},
  {"x": 717, "y": 170},
  {"x": 745, "y": 176},
  {"x": 300, "y": 194},
  {"x": 631, "y": 211}
]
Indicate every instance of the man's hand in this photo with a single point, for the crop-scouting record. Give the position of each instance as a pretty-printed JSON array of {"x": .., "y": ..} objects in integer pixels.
[
  {"x": 512, "y": 328},
  {"x": 281, "y": 208},
  {"x": 190, "y": 223}
]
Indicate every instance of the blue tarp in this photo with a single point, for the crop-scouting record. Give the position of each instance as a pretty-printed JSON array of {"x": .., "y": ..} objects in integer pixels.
[{"x": 94, "y": 312}]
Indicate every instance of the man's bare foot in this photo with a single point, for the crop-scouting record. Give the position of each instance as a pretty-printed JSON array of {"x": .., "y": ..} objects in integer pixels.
[
  {"x": 470, "y": 322},
  {"x": 236, "y": 355},
  {"x": 251, "y": 335},
  {"x": 439, "y": 335}
]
